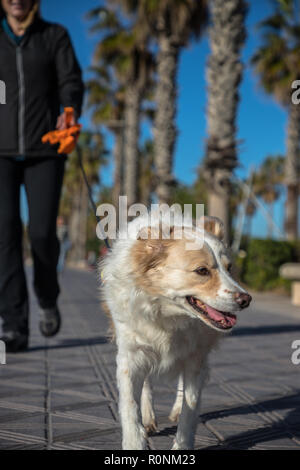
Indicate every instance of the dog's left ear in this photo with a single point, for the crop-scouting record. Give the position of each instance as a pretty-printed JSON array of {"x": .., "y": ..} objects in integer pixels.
[{"x": 213, "y": 225}]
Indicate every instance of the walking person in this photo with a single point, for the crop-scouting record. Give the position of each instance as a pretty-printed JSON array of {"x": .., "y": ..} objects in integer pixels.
[{"x": 42, "y": 76}]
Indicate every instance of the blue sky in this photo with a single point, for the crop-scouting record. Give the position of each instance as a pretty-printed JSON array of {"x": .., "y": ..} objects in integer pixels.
[{"x": 261, "y": 121}]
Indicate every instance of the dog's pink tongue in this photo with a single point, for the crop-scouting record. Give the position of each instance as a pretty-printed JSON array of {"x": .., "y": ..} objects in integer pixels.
[{"x": 220, "y": 317}]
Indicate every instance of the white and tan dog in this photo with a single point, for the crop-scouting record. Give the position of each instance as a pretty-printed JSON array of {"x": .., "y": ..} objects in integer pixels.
[{"x": 169, "y": 307}]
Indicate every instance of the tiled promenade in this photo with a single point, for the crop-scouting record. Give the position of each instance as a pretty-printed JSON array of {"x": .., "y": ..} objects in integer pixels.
[{"x": 62, "y": 394}]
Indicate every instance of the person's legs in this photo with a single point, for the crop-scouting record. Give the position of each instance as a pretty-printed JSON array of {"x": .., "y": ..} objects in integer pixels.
[
  {"x": 43, "y": 183},
  {"x": 13, "y": 290}
]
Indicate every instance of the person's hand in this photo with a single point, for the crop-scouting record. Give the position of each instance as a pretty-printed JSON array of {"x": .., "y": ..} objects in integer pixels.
[{"x": 62, "y": 123}]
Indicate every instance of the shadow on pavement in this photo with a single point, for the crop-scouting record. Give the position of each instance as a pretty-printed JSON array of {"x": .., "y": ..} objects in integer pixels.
[
  {"x": 80, "y": 301},
  {"x": 287, "y": 427},
  {"x": 265, "y": 330},
  {"x": 72, "y": 343}
]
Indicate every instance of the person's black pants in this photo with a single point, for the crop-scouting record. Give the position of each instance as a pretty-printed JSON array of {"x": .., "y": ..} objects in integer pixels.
[{"x": 42, "y": 178}]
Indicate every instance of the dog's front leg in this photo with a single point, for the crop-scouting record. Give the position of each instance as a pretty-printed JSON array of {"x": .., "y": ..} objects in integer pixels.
[
  {"x": 193, "y": 382},
  {"x": 177, "y": 407},
  {"x": 130, "y": 383},
  {"x": 148, "y": 415}
]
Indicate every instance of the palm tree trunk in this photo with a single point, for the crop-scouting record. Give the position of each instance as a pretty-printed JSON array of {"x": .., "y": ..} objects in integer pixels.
[
  {"x": 218, "y": 199},
  {"x": 119, "y": 167},
  {"x": 131, "y": 142},
  {"x": 224, "y": 73},
  {"x": 74, "y": 225},
  {"x": 84, "y": 209},
  {"x": 78, "y": 224},
  {"x": 164, "y": 125},
  {"x": 292, "y": 173},
  {"x": 269, "y": 221}
]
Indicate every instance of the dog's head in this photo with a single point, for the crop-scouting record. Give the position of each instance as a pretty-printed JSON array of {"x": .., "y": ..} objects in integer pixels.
[{"x": 196, "y": 282}]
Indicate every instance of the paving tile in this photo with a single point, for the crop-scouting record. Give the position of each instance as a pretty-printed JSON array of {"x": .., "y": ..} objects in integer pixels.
[
  {"x": 30, "y": 425},
  {"x": 277, "y": 444}
]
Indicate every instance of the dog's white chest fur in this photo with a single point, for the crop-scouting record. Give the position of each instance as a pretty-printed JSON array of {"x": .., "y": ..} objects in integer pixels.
[{"x": 165, "y": 343}]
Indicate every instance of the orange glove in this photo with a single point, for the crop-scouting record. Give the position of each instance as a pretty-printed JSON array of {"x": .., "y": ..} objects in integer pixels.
[{"x": 66, "y": 138}]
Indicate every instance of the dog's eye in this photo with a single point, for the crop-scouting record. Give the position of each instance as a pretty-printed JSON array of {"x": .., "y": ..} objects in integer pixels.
[
  {"x": 229, "y": 267},
  {"x": 202, "y": 271}
]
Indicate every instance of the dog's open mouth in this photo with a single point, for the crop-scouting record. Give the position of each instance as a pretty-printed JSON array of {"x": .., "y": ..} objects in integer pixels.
[{"x": 221, "y": 320}]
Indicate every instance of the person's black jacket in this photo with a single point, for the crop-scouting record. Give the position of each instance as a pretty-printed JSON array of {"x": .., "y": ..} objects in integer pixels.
[{"x": 41, "y": 76}]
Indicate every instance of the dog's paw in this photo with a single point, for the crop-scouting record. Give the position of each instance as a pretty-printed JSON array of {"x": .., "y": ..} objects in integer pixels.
[
  {"x": 148, "y": 419},
  {"x": 129, "y": 445},
  {"x": 136, "y": 440},
  {"x": 181, "y": 446},
  {"x": 151, "y": 426},
  {"x": 175, "y": 446}
]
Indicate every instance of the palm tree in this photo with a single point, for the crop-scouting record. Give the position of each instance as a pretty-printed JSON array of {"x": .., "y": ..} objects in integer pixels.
[
  {"x": 267, "y": 183},
  {"x": 277, "y": 63},
  {"x": 224, "y": 72},
  {"x": 138, "y": 75},
  {"x": 106, "y": 98},
  {"x": 250, "y": 212},
  {"x": 75, "y": 202},
  {"x": 128, "y": 53},
  {"x": 146, "y": 172},
  {"x": 173, "y": 24}
]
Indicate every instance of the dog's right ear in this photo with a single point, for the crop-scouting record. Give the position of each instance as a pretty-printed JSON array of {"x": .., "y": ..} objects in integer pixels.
[
  {"x": 151, "y": 238},
  {"x": 213, "y": 225},
  {"x": 163, "y": 232},
  {"x": 151, "y": 248},
  {"x": 145, "y": 233}
]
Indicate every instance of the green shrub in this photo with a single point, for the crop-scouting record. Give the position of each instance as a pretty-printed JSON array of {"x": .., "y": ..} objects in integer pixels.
[{"x": 260, "y": 268}]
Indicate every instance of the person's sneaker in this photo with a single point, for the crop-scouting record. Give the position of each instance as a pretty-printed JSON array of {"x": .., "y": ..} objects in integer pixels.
[
  {"x": 50, "y": 321},
  {"x": 14, "y": 341}
]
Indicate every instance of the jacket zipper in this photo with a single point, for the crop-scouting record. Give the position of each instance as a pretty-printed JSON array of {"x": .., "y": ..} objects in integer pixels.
[{"x": 21, "y": 110}]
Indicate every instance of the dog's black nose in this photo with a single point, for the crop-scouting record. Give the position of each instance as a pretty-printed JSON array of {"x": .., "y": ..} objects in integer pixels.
[{"x": 243, "y": 299}]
